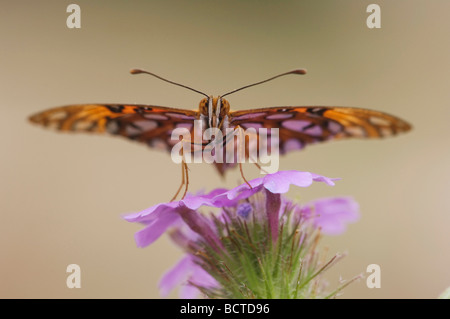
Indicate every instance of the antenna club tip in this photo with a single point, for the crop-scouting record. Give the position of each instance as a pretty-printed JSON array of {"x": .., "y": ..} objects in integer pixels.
[
  {"x": 300, "y": 71},
  {"x": 135, "y": 71}
]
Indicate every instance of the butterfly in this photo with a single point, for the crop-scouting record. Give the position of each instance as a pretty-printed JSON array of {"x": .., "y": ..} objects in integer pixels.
[{"x": 153, "y": 125}]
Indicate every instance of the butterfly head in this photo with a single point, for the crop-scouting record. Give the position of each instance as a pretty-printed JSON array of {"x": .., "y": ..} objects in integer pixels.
[{"x": 215, "y": 110}]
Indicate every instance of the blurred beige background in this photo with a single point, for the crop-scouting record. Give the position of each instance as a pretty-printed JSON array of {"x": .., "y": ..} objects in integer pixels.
[{"x": 62, "y": 196}]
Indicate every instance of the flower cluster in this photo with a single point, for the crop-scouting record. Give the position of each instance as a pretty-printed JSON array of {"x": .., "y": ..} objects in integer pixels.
[{"x": 256, "y": 244}]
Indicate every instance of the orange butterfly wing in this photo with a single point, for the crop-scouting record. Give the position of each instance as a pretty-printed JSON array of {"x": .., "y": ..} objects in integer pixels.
[
  {"x": 152, "y": 125},
  {"x": 300, "y": 126}
]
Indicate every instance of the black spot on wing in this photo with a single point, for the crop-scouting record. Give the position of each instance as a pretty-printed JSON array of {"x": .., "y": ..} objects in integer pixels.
[
  {"x": 115, "y": 108},
  {"x": 142, "y": 109},
  {"x": 317, "y": 110}
]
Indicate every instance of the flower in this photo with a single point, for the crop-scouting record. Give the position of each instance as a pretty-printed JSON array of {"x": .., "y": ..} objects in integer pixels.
[
  {"x": 259, "y": 245},
  {"x": 160, "y": 217}
]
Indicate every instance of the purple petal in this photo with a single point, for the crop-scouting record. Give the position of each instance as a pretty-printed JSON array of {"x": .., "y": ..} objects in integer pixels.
[
  {"x": 182, "y": 235},
  {"x": 326, "y": 180},
  {"x": 201, "y": 277},
  {"x": 240, "y": 192},
  {"x": 177, "y": 275},
  {"x": 332, "y": 214},
  {"x": 155, "y": 229},
  {"x": 188, "y": 292},
  {"x": 279, "y": 182},
  {"x": 273, "y": 205},
  {"x": 195, "y": 202},
  {"x": 152, "y": 213},
  {"x": 184, "y": 272},
  {"x": 199, "y": 224}
]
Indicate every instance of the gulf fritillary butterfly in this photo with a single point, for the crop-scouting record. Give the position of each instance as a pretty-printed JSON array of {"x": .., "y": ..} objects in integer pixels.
[{"x": 298, "y": 125}]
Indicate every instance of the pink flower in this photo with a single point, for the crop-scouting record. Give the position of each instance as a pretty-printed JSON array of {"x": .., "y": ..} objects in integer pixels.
[{"x": 260, "y": 205}]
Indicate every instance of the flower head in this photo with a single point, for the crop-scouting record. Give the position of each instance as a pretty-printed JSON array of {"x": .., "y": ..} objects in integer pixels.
[{"x": 256, "y": 245}]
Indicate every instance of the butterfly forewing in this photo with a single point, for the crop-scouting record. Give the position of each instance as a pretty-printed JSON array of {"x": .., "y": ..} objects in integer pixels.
[
  {"x": 151, "y": 125},
  {"x": 300, "y": 126}
]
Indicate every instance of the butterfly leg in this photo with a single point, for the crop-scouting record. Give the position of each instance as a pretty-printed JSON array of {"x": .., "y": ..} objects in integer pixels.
[
  {"x": 242, "y": 153},
  {"x": 257, "y": 164},
  {"x": 182, "y": 182},
  {"x": 187, "y": 179},
  {"x": 260, "y": 168},
  {"x": 243, "y": 177},
  {"x": 255, "y": 161},
  {"x": 184, "y": 178}
]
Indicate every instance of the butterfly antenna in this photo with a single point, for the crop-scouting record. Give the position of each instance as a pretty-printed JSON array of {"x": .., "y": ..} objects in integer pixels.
[
  {"x": 298, "y": 71},
  {"x": 138, "y": 71}
]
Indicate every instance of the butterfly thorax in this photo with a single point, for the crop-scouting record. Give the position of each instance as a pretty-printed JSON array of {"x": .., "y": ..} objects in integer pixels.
[{"x": 215, "y": 112}]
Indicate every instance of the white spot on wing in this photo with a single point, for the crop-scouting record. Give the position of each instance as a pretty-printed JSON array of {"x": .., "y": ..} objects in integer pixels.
[
  {"x": 180, "y": 116},
  {"x": 356, "y": 131},
  {"x": 334, "y": 127},
  {"x": 140, "y": 126},
  {"x": 187, "y": 126},
  {"x": 295, "y": 125},
  {"x": 379, "y": 121},
  {"x": 57, "y": 116},
  {"x": 112, "y": 127},
  {"x": 159, "y": 117},
  {"x": 280, "y": 116},
  {"x": 315, "y": 130},
  {"x": 248, "y": 116},
  {"x": 385, "y": 131},
  {"x": 82, "y": 125}
]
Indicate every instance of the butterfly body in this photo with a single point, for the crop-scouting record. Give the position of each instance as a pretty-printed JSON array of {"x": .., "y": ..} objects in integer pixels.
[{"x": 215, "y": 111}]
